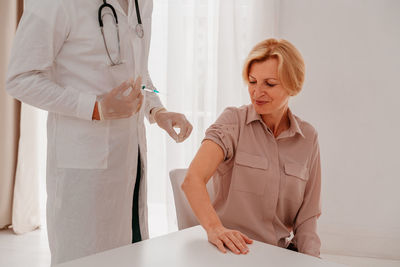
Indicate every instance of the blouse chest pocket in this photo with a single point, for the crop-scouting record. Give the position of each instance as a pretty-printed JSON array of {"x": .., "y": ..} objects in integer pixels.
[
  {"x": 296, "y": 176},
  {"x": 296, "y": 170},
  {"x": 250, "y": 173}
]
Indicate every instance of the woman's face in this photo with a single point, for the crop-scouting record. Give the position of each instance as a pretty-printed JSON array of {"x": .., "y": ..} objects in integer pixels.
[{"x": 265, "y": 89}]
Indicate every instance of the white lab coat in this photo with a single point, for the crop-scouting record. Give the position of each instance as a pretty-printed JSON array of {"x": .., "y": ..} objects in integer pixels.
[{"x": 59, "y": 64}]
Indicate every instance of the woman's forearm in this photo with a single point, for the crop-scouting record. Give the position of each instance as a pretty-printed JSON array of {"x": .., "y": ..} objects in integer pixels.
[
  {"x": 203, "y": 166},
  {"x": 210, "y": 155},
  {"x": 196, "y": 192}
]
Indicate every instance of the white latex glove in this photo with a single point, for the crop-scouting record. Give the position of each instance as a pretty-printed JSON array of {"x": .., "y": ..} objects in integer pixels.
[
  {"x": 170, "y": 120},
  {"x": 120, "y": 103}
]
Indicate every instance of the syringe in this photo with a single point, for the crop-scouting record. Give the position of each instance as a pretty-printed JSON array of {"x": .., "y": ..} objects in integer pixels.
[{"x": 149, "y": 90}]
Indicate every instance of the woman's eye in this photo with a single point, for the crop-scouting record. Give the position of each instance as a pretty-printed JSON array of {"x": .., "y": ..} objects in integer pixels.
[
  {"x": 270, "y": 84},
  {"x": 252, "y": 82}
]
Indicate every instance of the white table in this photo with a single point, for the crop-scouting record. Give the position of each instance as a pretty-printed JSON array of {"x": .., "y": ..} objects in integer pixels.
[{"x": 190, "y": 248}]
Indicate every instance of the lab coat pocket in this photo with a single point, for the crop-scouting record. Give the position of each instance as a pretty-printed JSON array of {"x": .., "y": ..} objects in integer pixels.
[
  {"x": 82, "y": 144},
  {"x": 249, "y": 173}
]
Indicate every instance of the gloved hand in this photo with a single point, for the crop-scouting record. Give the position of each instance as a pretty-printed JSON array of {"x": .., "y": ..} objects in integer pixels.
[
  {"x": 120, "y": 103},
  {"x": 168, "y": 120}
]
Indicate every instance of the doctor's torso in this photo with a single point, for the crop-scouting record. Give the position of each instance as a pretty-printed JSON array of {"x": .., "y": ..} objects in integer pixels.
[{"x": 82, "y": 62}]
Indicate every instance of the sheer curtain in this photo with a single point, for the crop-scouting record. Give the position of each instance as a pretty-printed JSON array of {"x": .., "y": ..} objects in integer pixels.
[
  {"x": 196, "y": 57},
  {"x": 24, "y": 191},
  {"x": 30, "y": 178},
  {"x": 9, "y": 117}
]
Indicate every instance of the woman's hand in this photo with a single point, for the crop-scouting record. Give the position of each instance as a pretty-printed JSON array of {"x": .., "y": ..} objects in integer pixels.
[{"x": 234, "y": 240}]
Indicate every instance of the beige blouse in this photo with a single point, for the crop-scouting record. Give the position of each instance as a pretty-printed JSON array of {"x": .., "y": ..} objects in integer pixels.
[{"x": 268, "y": 187}]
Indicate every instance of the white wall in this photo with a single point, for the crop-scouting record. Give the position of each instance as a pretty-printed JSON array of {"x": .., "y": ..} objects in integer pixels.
[{"x": 351, "y": 95}]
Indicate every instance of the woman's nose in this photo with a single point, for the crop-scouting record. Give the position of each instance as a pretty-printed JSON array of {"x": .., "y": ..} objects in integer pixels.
[{"x": 259, "y": 92}]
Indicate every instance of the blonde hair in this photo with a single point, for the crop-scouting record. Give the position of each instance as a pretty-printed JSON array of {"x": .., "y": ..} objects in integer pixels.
[{"x": 291, "y": 68}]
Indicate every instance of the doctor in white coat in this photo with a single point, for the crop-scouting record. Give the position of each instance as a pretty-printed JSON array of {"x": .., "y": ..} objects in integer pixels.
[{"x": 96, "y": 165}]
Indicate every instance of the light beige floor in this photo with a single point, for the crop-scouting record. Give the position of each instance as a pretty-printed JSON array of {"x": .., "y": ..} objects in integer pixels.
[{"x": 30, "y": 249}]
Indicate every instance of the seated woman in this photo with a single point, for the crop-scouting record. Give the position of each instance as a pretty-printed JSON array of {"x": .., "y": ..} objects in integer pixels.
[{"x": 264, "y": 160}]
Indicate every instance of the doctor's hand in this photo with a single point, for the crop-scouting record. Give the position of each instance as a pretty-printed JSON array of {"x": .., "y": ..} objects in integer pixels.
[
  {"x": 170, "y": 120},
  {"x": 222, "y": 237},
  {"x": 120, "y": 103}
]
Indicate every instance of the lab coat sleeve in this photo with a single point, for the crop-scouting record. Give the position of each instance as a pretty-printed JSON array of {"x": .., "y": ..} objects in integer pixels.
[
  {"x": 306, "y": 238},
  {"x": 152, "y": 99},
  {"x": 43, "y": 29}
]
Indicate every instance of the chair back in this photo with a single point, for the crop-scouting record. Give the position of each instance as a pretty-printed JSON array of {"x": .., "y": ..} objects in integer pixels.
[{"x": 184, "y": 213}]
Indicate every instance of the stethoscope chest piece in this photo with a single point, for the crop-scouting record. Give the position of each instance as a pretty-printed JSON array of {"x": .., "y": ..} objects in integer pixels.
[
  {"x": 139, "y": 26},
  {"x": 139, "y": 30}
]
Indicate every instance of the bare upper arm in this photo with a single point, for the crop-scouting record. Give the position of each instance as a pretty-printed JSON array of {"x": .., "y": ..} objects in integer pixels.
[{"x": 206, "y": 161}]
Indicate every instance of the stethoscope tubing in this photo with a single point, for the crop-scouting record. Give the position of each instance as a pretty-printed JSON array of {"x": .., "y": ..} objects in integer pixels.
[
  {"x": 104, "y": 5},
  {"x": 139, "y": 28}
]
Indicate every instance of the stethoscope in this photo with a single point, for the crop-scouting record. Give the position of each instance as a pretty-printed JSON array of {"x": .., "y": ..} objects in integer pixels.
[{"x": 138, "y": 28}]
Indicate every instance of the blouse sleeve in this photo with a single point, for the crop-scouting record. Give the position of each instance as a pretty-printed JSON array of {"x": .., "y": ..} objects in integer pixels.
[
  {"x": 306, "y": 237},
  {"x": 225, "y": 132}
]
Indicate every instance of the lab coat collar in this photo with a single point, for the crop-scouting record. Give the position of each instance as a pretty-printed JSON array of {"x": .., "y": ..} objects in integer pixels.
[{"x": 118, "y": 8}]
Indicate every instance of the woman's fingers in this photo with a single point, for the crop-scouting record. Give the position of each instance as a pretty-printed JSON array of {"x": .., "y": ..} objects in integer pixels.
[
  {"x": 228, "y": 242},
  {"x": 234, "y": 240},
  {"x": 239, "y": 242},
  {"x": 246, "y": 239},
  {"x": 220, "y": 246}
]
